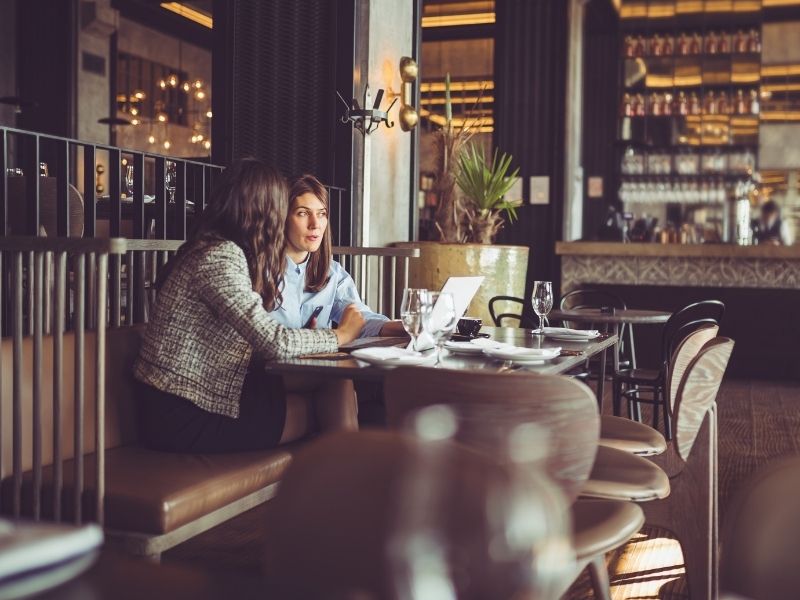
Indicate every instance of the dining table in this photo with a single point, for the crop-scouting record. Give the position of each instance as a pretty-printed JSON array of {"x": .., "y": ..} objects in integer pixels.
[
  {"x": 344, "y": 365},
  {"x": 611, "y": 320}
]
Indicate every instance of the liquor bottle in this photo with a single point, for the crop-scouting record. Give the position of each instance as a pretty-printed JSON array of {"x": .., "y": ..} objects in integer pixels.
[
  {"x": 710, "y": 105},
  {"x": 656, "y": 46},
  {"x": 683, "y": 45},
  {"x": 639, "y": 48},
  {"x": 639, "y": 107},
  {"x": 628, "y": 46},
  {"x": 740, "y": 45},
  {"x": 682, "y": 104},
  {"x": 742, "y": 106},
  {"x": 712, "y": 43},
  {"x": 666, "y": 105},
  {"x": 724, "y": 43},
  {"x": 669, "y": 45},
  {"x": 754, "y": 41},
  {"x": 627, "y": 108},
  {"x": 696, "y": 44},
  {"x": 723, "y": 104},
  {"x": 694, "y": 104},
  {"x": 755, "y": 108},
  {"x": 656, "y": 105}
]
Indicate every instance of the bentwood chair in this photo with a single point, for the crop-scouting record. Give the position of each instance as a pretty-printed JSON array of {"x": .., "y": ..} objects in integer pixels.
[
  {"x": 690, "y": 510},
  {"x": 504, "y": 302},
  {"x": 563, "y": 407},
  {"x": 630, "y": 383},
  {"x": 355, "y": 510},
  {"x": 761, "y": 535}
]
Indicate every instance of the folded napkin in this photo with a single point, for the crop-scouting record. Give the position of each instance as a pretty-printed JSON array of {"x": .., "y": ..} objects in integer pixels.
[
  {"x": 488, "y": 343},
  {"x": 387, "y": 353},
  {"x": 566, "y": 331}
]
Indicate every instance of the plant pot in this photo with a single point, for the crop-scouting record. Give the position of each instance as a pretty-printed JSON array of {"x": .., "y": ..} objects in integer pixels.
[{"x": 503, "y": 267}]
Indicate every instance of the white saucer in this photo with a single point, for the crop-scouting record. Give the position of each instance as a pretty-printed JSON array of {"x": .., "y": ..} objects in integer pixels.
[
  {"x": 392, "y": 357},
  {"x": 531, "y": 356},
  {"x": 463, "y": 348}
]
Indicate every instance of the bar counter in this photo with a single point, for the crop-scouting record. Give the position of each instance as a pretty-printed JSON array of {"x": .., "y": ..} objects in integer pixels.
[
  {"x": 760, "y": 286},
  {"x": 702, "y": 265}
]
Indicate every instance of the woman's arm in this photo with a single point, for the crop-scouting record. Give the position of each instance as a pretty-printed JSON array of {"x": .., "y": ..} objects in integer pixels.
[
  {"x": 346, "y": 294},
  {"x": 223, "y": 283}
]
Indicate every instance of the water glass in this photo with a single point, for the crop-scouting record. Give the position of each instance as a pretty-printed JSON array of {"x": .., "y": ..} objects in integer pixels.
[
  {"x": 171, "y": 180},
  {"x": 411, "y": 311},
  {"x": 129, "y": 181},
  {"x": 440, "y": 319},
  {"x": 542, "y": 300}
]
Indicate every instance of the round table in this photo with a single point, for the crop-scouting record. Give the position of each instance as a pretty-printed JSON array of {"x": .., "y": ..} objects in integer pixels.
[{"x": 620, "y": 316}]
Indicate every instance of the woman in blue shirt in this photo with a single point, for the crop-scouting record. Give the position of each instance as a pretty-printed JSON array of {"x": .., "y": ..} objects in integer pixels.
[{"x": 312, "y": 278}]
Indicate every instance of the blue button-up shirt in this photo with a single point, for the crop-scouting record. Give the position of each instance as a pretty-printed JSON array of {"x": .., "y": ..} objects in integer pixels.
[{"x": 298, "y": 304}]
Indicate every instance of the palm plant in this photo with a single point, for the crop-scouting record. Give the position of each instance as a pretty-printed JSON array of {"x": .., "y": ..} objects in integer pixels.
[{"x": 485, "y": 186}]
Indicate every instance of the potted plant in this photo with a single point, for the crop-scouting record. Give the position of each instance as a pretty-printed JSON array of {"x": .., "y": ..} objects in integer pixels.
[{"x": 472, "y": 207}]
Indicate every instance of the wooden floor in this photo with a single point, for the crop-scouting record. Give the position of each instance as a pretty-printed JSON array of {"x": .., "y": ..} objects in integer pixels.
[{"x": 758, "y": 422}]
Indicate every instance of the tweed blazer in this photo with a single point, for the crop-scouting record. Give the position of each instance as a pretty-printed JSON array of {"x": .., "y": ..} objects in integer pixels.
[{"x": 205, "y": 326}]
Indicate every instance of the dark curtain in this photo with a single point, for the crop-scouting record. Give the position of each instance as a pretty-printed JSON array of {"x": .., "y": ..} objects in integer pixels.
[
  {"x": 530, "y": 87},
  {"x": 601, "y": 82},
  {"x": 277, "y": 66}
]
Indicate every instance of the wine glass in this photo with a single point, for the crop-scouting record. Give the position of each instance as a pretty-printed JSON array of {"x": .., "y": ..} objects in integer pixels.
[
  {"x": 411, "y": 312},
  {"x": 171, "y": 179},
  {"x": 440, "y": 319},
  {"x": 542, "y": 300},
  {"x": 129, "y": 181}
]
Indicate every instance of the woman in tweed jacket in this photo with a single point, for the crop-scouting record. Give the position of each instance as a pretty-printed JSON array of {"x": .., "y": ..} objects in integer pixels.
[{"x": 203, "y": 385}]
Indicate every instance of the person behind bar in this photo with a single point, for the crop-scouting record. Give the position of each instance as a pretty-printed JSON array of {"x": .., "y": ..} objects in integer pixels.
[
  {"x": 317, "y": 288},
  {"x": 771, "y": 228},
  {"x": 200, "y": 367}
]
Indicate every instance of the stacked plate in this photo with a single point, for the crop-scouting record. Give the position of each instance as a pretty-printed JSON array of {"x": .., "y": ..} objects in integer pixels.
[
  {"x": 502, "y": 351},
  {"x": 392, "y": 356},
  {"x": 565, "y": 334}
]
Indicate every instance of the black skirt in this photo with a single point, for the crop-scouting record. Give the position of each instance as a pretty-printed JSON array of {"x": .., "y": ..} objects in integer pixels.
[{"x": 173, "y": 424}]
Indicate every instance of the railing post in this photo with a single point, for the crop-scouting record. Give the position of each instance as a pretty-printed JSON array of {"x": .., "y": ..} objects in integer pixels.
[
  {"x": 79, "y": 263},
  {"x": 58, "y": 378},
  {"x": 16, "y": 411},
  {"x": 38, "y": 317},
  {"x": 100, "y": 387}
]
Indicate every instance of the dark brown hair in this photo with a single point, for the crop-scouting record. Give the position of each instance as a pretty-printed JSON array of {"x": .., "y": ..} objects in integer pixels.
[
  {"x": 248, "y": 207},
  {"x": 319, "y": 262}
]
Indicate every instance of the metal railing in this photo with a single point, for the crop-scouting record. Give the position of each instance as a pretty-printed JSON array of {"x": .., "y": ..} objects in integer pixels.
[{"x": 148, "y": 195}]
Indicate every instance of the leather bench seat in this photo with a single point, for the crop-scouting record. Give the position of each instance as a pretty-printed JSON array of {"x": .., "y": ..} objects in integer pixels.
[{"x": 157, "y": 492}]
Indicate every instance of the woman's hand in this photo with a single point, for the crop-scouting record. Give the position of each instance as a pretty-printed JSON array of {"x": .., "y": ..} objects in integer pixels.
[{"x": 350, "y": 325}]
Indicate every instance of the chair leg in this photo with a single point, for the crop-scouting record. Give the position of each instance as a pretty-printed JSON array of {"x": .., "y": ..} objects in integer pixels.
[
  {"x": 598, "y": 572},
  {"x": 655, "y": 407},
  {"x": 667, "y": 416}
]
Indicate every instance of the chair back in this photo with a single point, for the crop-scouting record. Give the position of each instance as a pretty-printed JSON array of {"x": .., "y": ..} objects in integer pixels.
[
  {"x": 565, "y": 408},
  {"x": 705, "y": 309},
  {"x": 589, "y": 298},
  {"x": 354, "y": 511},
  {"x": 692, "y": 337},
  {"x": 505, "y": 301},
  {"x": 761, "y": 535},
  {"x": 698, "y": 391},
  {"x": 49, "y": 211}
]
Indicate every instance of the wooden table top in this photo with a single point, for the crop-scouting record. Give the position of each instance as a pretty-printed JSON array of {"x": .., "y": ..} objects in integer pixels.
[
  {"x": 633, "y": 316},
  {"x": 352, "y": 368}
]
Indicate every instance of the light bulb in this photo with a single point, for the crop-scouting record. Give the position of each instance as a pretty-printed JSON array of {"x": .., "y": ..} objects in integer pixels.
[
  {"x": 194, "y": 139},
  {"x": 152, "y": 139},
  {"x": 186, "y": 86},
  {"x": 209, "y": 114},
  {"x": 199, "y": 137},
  {"x": 162, "y": 84},
  {"x": 200, "y": 94},
  {"x": 134, "y": 111},
  {"x": 139, "y": 95},
  {"x": 173, "y": 80},
  {"x": 207, "y": 144},
  {"x": 166, "y": 144},
  {"x": 162, "y": 117},
  {"x": 198, "y": 84},
  {"x": 135, "y": 121}
]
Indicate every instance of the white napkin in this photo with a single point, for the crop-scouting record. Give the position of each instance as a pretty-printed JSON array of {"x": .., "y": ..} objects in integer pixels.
[
  {"x": 566, "y": 331},
  {"x": 387, "y": 353},
  {"x": 488, "y": 343}
]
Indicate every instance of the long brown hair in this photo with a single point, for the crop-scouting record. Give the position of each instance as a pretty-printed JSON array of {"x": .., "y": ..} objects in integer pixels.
[
  {"x": 248, "y": 207},
  {"x": 319, "y": 262}
]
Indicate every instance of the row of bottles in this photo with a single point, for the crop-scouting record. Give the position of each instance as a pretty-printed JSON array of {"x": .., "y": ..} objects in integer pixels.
[
  {"x": 689, "y": 44},
  {"x": 657, "y": 104},
  {"x": 661, "y": 162}
]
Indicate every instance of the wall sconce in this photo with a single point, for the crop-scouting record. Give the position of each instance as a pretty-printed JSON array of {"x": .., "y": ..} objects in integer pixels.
[
  {"x": 408, "y": 74},
  {"x": 367, "y": 119}
]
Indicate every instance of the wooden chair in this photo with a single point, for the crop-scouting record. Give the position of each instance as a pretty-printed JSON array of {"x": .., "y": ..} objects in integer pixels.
[
  {"x": 637, "y": 438},
  {"x": 690, "y": 461},
  {"x": 655, "y": 380},
  {"x": 564, "y": 407},
  {"x": 497, "y": 318},
  {"x": 352, "y": 507},
  {"x": 761, "y": 536}
]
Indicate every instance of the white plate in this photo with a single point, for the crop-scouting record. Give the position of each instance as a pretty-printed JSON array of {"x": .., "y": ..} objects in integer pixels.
[
  {"x": 463, "y": 348},
  {"x": 532, "y": 356},
  {"x": 391, "y": 357},
  {"x": 571, "y": 338}
]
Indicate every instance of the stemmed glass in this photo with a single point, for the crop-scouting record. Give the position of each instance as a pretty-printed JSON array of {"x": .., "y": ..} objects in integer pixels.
[
  {"x": 440, "y": 319},
  {"x": 542, "y": 300},
  {"x": 411, "y": 311},
  {"x": 171, "y": 179},
  {"x": 129, "y": 181}
]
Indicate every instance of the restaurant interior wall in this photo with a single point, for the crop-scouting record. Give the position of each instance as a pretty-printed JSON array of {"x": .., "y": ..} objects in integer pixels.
[
  {"x": 8, "y": 60},
  {"x": 391, "y": 26}
]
